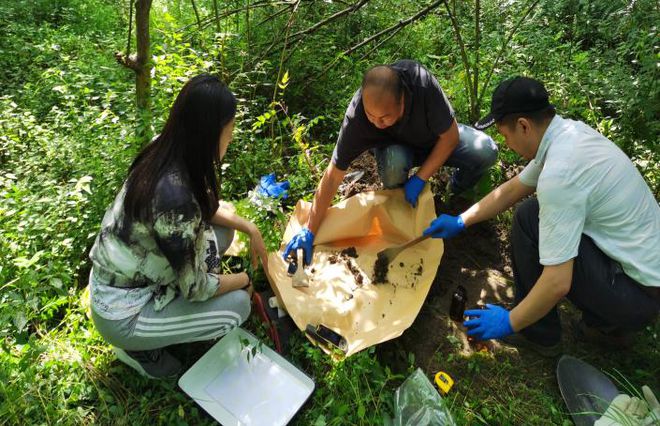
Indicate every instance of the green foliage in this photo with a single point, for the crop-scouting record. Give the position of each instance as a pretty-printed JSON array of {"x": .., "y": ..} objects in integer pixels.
[
  {"x": 67, "y": 137},
  {"x": 354, "y": 391},
  {"x": 61, "y": 132}
]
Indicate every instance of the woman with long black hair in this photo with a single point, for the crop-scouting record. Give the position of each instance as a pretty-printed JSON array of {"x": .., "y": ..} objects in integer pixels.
[{"x": 156, "y": 277}]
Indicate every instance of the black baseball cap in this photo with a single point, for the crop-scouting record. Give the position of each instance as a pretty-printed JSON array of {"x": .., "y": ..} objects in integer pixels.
[{"x": 515, "y": 95}]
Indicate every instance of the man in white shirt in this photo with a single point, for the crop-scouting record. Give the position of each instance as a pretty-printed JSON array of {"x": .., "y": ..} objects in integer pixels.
[{"x": 592, "y": 234}]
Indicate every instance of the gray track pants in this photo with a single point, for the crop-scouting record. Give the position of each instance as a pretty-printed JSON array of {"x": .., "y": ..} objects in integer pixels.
[{"x": 180, "y": 321}]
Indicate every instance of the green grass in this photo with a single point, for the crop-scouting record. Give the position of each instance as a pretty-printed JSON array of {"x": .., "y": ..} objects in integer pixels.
[{"x": 66, "y": 138}]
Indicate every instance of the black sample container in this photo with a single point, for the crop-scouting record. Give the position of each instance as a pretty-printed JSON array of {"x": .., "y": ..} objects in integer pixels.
[
  {"x": 324, "y": 335},
  {"x": 458, "y": 301}
]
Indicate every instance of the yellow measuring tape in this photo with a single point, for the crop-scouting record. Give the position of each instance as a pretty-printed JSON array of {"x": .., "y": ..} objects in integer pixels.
[{"x": 444, "y": 382}]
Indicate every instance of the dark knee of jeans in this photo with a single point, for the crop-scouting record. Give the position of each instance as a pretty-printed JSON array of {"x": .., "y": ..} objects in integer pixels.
[
  {"x": 489, "y": 155},
  {"x": 394, "y": 175},
  {"x": 484, "y": 154}
]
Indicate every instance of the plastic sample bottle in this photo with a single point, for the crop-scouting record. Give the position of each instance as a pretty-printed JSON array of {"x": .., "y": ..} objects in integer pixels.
[{"x": 458, "y": 301}]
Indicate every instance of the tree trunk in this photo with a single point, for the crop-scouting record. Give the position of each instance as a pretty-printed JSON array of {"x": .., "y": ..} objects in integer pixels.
[
  {"x": 143, "y": 72},
  {"x": 141, "y": 65}
]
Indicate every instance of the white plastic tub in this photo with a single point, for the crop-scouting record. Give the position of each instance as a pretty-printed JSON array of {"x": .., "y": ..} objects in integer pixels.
[{"x": 237, "y": 388}]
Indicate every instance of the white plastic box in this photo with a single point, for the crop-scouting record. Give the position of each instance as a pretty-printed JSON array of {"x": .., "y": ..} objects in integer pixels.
[{"x": 237, "y": 388}]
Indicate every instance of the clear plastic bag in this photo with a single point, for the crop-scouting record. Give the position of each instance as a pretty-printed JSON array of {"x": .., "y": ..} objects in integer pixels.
[{"x": 418, "y": 403}]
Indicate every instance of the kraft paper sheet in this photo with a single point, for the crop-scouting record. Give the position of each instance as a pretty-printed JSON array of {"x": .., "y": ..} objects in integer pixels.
[{"x": 365, "y": 314}]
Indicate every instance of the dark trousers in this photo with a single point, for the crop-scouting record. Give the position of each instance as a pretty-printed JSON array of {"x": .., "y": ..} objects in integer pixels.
[{"x": 608, "y": 298}]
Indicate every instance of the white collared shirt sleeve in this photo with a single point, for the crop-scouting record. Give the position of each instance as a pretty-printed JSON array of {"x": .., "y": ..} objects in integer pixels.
[{"x": 530, "y": 174}]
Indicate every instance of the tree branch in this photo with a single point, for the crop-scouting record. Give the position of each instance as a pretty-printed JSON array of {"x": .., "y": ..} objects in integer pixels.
[
  {"x": 393, "y": 29},
  {"x": 474, "y": 111},
  {"x": 380, "y": 43},
  {"x": 504, "y": 45},
  {"x": 464, "y": 58},
  {"x": 328, "y": 20},
  {"x": 209, "y": 19},
  {"x": 129, "y": 61},
  {"x": 396, "y": 26},
  {"x": 215, "y": 14},
  {"x": 274, "y": 15},
  {"x": 194, "y": 6},
  {"x": 286, "y": 37},
  {"x": 130, "y": 28}
]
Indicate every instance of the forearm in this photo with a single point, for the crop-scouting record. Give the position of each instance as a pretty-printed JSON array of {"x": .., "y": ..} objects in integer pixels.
[
  {"x": 443, "y": 148},
  {"x": 497, "y": 201},
  {"x": 325, "y": 192},
  {"x": 228, "y": 219},
  {"x": 553, "y": 284},
  {"x": 231, "y": 282}
]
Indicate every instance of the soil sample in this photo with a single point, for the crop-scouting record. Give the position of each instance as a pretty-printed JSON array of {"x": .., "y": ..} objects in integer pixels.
[
  {"x": 355, "y": 271},
  {"x": 380, "y": 269},
  {"x": 349, "y": 252},
  {"x": 345, "y": 256}
]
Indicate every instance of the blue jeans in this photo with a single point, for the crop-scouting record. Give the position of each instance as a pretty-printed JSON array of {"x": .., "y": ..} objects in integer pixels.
[{"x": 472, "y": 157}]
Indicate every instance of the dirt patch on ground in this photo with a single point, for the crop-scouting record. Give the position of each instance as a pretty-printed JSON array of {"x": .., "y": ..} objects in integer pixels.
[
  {"x": 479, "y": 261},
  {"x": 369, "y": 180}
]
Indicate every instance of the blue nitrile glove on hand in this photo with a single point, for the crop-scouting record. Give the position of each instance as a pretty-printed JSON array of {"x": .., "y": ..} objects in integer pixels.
[
  {"x": 302, "y": 240},
  {"x": 270, "y": 187},
  {"x": 413, "y": 187},
  {"x": 445, "y": 226},
  {"x": 490, "y": 323}
]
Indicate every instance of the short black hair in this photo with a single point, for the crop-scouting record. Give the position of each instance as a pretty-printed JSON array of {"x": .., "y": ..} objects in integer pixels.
[
  {"x": 384, "y": 78},
  {"x": 537, "y": 117}
]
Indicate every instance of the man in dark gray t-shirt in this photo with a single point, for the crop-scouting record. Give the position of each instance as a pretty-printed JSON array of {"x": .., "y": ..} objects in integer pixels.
[{"x": 402, "y": 115}]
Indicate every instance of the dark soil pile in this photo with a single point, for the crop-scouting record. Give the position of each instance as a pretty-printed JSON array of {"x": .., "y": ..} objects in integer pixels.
[
  {"x": 368, "y": 182},
  {"x": 380, "y": 269},
  {"x": 349, "y": 252}
]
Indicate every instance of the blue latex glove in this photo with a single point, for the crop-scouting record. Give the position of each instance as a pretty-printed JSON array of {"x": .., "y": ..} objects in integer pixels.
[
  {"x": 445, "y": 226},
  {"x": 413, "y": 187},
  {"x": 268, "y": 186},
  {"x": 490, "y": 323},
  {"x": 302, "y": 240}
]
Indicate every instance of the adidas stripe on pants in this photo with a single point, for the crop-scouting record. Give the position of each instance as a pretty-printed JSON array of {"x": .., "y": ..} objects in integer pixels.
[{"x": 180, "y": 321}]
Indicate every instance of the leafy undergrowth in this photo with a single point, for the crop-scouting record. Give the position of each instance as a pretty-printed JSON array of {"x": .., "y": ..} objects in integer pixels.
[
  {"x": 70, "y": 376},
  {"x": 67, "y": 126}
]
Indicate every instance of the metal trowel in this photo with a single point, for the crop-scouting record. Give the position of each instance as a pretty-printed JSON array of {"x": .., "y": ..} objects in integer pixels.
[
  {"x": 300, "y": 277},
  {"x": 392, "y": 252},
  {"x": 587, "y": 391}
]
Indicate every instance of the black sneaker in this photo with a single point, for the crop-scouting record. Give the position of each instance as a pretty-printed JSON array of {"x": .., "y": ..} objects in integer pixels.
[
  {"x": 155, "y": 364},
  {"x": 520, "y": 341}
]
